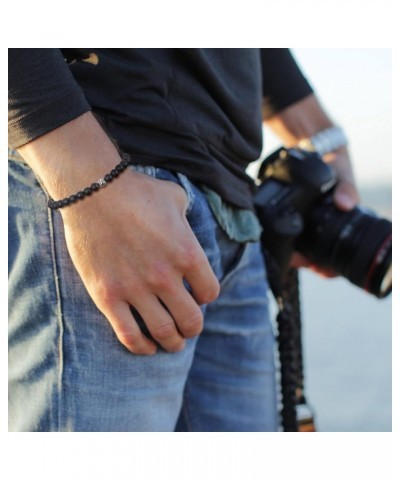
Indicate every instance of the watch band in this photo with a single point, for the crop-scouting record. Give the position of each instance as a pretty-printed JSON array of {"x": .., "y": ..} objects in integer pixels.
[{"x": 325, "y": 141}]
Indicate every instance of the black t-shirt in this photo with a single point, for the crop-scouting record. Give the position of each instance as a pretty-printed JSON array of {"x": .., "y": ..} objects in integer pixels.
[{"x": 197, "y": 111}]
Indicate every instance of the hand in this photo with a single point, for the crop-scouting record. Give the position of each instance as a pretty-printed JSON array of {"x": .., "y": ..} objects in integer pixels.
[
  {"x": 130, "y": 242},
  {"x": 132, "y": 246},
  {"x": 345, "y": 197}
]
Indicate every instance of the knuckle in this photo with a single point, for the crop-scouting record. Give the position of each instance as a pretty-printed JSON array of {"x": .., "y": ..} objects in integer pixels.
[
  {"x": 159, "y": 277},
  {"x": 193, "y": 327},
  {"x": 191, "y": 257},
  {"x": 164, "y": 331},
  {"x": 107, "y": 292}
]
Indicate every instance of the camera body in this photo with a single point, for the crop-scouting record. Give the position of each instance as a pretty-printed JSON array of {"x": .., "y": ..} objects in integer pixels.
[{"x": 295, "y": 205}]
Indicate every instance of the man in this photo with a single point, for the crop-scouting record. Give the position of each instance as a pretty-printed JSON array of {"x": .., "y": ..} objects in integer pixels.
[{"x": 167, "y": 252}]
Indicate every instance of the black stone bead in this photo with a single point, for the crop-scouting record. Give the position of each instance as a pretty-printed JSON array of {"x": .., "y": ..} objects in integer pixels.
[{"x": 54, "y": 204}]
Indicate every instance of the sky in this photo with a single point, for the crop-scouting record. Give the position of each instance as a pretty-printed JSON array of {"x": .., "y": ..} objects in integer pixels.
[{"x": 354, "y": 86}]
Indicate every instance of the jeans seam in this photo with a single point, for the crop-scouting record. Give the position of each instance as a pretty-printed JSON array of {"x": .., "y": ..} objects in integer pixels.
[
  {"x": 186, "y": 414},
  {"x": 237, "y": 265},
  {"x": 60, "y": 349}
]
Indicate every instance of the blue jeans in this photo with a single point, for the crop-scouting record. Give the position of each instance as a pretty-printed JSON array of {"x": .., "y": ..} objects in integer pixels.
[{"x": 68, "y": 371}]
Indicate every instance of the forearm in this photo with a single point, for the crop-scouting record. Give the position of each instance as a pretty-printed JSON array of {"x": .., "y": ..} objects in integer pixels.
[
  {"x": 300, "y": 120},
  {"x": 72, "y": 156}
]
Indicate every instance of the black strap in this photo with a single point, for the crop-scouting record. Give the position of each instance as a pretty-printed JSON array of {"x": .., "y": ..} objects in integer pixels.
[{"x": 295, "y": 413}]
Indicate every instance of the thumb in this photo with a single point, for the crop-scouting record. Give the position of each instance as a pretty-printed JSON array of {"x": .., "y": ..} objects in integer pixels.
[{"x": 345, "y": 196}]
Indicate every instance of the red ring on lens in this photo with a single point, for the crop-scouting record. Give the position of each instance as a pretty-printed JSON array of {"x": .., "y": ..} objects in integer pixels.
[{"x": 380, "y": 255}]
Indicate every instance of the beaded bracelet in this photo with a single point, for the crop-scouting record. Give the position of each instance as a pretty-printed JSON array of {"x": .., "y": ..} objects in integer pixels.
[{"x": 101, "y": 183}]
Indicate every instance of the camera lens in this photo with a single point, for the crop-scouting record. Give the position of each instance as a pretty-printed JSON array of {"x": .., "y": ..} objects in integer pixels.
[{"x": 356, "y": 244}]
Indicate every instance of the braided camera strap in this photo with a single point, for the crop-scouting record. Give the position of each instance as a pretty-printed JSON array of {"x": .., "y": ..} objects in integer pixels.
[
  {"x": 296, "y": 413},
  {"x": 296, "y": 416},
  {"x": 288, "y": 336}
]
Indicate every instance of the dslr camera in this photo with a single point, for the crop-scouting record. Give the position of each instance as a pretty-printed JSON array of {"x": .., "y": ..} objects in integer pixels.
[{"x": 294, "y": 202}]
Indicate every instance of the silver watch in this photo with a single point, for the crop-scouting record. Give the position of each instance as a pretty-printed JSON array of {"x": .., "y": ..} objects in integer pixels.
[{"x": 325, "y": 141}]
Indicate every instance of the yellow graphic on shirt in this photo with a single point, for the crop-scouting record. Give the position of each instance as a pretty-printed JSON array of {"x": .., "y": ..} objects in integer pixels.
[{"x": 92, "y": 58}]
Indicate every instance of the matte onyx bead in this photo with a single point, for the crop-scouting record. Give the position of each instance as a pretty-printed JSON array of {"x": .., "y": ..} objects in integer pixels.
[{"x": 54, "y": 204}]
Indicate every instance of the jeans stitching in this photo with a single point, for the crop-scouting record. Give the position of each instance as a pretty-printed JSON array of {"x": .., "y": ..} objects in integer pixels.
[
  {"x": 59, "y": 317},
  {"x": 59, "y": 303}
]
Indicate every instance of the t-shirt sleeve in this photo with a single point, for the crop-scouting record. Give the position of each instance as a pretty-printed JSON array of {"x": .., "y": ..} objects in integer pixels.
[
  {"x": 42, "y": 94},
  {"x": 283, "y": 82}
]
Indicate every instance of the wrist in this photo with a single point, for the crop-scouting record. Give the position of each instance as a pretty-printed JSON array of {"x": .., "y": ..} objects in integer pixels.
[
  {"x": 301, "y": 120},
  {"x": 93, "y": 188},
  {"x": 72, "y": 156},
  {"x": 325, "y": 141}
]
